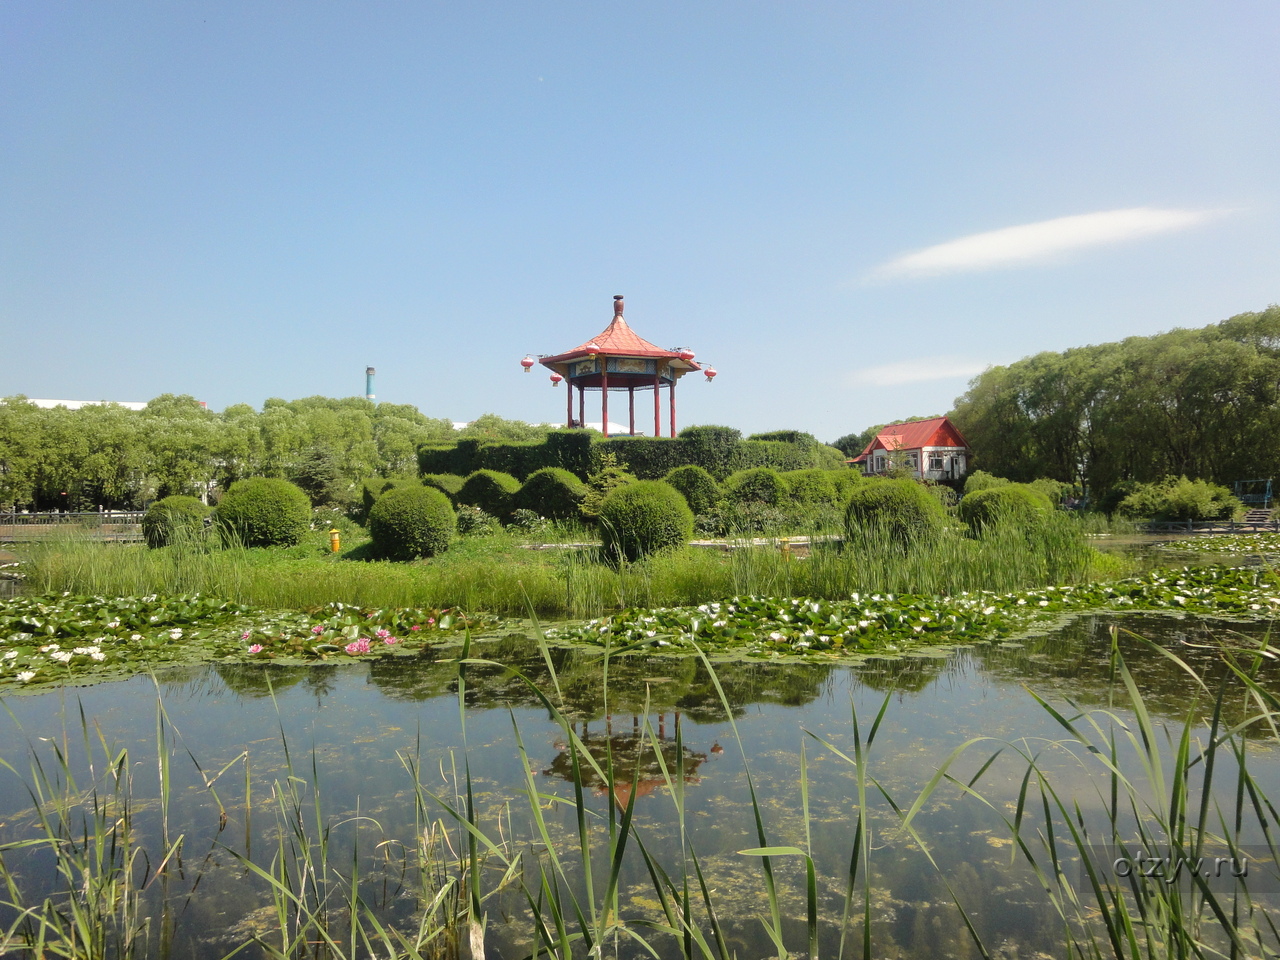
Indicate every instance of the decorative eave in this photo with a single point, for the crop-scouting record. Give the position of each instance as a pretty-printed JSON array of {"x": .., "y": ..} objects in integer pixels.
[{"x": 618, "y": 340}]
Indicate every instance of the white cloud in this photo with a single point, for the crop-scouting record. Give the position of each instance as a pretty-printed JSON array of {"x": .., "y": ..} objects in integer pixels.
[
  {"x": 1037, "y": 242},
  {"x": 919, "y": 370}
]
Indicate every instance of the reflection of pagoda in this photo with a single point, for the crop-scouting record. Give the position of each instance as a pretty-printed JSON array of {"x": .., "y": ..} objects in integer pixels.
[
  {"x": 618, "y": 359},
  {"x": 637, "y": 769}
]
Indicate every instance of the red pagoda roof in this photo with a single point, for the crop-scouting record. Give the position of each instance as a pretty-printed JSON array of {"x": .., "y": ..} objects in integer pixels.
[
  {"x": 935, "y": 432},
  {"x": 618, "y": 340}
]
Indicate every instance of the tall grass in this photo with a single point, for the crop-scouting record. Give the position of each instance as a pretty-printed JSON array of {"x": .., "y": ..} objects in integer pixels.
[
  {"x": 1187, "y": 789},
  {"x": 497, "y": 575}
]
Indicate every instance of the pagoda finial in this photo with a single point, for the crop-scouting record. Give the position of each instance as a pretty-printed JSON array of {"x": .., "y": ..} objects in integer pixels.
[{"x": 617, "y": 305}]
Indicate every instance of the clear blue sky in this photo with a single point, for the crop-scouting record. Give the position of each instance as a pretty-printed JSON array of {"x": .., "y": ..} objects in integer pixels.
[{"x": 847, "y": 208}]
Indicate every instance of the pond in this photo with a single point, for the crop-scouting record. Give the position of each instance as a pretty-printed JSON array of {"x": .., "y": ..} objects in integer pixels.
[{"x": 273, "y": 765}]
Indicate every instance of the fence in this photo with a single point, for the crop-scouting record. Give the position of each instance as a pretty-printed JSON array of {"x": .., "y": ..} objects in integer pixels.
[
  {"x": 1215, "y": 526},
  {"x": 122, "y": 525}
]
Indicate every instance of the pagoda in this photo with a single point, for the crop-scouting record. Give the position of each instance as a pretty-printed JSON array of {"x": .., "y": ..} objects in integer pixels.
[{"x": 618, "y": 359}]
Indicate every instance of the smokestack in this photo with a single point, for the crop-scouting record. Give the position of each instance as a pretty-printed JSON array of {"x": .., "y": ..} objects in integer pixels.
[{"x": 368, "y": 383}]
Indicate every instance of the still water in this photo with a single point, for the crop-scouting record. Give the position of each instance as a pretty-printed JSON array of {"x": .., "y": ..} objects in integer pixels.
[{"x": 353, "y": 737}]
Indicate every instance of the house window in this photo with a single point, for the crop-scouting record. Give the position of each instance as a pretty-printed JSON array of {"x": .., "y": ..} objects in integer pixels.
[
  {"x": 879, "y": 464},
  {"x": 935, "y": 462}
]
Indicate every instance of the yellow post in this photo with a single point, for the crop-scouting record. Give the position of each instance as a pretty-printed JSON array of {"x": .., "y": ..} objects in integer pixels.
[
  {"x": 785, "y": 546},
  {"x": 335, "y": 540}
]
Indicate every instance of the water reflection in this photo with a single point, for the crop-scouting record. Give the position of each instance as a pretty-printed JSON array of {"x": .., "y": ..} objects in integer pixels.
[{"x": 355, "y": 732}]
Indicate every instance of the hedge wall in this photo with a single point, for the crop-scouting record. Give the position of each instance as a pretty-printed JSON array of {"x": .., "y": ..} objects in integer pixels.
[{"x": 718, "y": 450}]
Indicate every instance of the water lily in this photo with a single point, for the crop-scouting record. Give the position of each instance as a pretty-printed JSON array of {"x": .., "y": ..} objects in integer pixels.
[
  {"x": 26, "y": 676},
  {"x": 356, "y": 647},
  {"x": 255, "y": 648}
]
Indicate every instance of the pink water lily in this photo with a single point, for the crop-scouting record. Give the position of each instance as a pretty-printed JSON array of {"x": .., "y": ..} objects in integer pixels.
[
  {"x": 317, "y": 629},
  {"x": 358, "y": 646},
  {"x": 255, "y": 648}
]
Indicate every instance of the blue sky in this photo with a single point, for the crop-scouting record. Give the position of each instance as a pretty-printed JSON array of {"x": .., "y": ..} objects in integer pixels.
[{"x": 847, "y": 208}]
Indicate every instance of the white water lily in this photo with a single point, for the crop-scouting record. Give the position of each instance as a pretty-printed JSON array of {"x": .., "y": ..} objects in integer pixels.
[
  {"x": 175, "y": 633},
  {"x": 26, "y": 676}
]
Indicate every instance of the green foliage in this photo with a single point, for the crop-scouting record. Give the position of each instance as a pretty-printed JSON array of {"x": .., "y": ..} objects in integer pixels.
[
  {"x": 642, "y": 518},
  {"x": 490, "y": 490},
  {"x": 1196, "y": 403},
  {"x": 600, "y": 484},
  {"x": 174, "y": 519},
  {"x": 447, "y": 483},
  {"x": 568, "y": 449},
  {"x": 812, "y": 486},
  {"x": 760, "y": 485},
  {"x": 492, "y": 428},
  {"x": 551, "y": 492},
  {"x": 474, "y": 522},
  {"x": 846, "y": 479},
  {"x": 411, "y": 522},
  {"x": 901, "y": 511},
  {"x": 698, "y": 487},
  {"x": 1011, "y": 503},
  {"x": 264, "y": 512},
  {"x": 787, "y": 436},
  {"x": 981, "y": 480},
  {"x": 647, "y": 457},
  {"x": 1180, "y": 499},
  {"x": 712, "y": 448}
]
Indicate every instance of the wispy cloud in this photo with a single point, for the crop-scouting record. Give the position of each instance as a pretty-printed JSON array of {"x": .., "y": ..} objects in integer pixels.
[
  {"x": 1037, "y": 242},
  {"x": 918, "y": 370}
]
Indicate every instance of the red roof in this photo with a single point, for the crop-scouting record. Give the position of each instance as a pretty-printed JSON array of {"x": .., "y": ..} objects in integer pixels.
[
  {"x": 935, "y": 432},
  {"x": 619, "y": 340}
]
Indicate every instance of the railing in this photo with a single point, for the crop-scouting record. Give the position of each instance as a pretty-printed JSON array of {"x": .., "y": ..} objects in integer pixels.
[
  {"x": 97, "y": 524},
  {"x": 1214, "y": 526}
]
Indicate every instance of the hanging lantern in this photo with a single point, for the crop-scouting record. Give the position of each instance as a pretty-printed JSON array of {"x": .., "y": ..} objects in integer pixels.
[
  {"x": 555, "y": 379},
  {"x": 686, "y": 354},
  {"x": 527, "y": 363},
  {"x": 711, "y": 373}
]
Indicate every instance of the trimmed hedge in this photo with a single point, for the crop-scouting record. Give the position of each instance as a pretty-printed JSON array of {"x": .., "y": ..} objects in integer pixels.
[
  {"x": 648, "y": 458},
  {"x": 264, "y": 512},
  {"x": 760, "y": 485},
  {"x": 642, "y": 518},
  {"x": 447, "y": 483},
  {"x": 1012, "y": 503},
  {"x": 567, "y": 449},
  {"x": 175, "y": 518},
  {"x": 698, "y": 487},
  {"x": 411, "y": 522},
  {"x": 811, "y": 487},
  {"x": 901, "y": 510},
  {"x": 491, "y": 491},
  {"x": 551, "y": 492}
]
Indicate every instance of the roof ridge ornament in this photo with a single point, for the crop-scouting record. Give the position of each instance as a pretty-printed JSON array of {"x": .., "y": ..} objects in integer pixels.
[{"x": 617, "y": 305}]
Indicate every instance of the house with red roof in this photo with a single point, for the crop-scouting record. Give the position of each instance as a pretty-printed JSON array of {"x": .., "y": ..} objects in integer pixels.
[{"x": 930, "y": 449}]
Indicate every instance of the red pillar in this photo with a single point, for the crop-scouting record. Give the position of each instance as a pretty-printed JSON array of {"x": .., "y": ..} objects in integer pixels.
[
  {"x": 604, "y": 396},
  {"x": 631, "y": 406},
  {"x": 568, "y": 404},
  {"x": 673, "y": 403},
  {"x": 657, "y": 402},
  {"x": 582, "y": 405}
]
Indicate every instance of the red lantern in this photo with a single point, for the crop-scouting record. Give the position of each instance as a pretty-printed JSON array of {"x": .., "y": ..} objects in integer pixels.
[
  {"x": 527, "y": 363},
  {"x": 711, "y": 373},
  {"x": 685, "y": 355},
  {"x": 555, "y": 379}
]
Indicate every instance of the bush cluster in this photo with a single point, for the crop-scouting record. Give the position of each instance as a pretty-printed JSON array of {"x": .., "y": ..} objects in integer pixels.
[
  {"x": 759, "y": 485},
  {"x": 490, "y": 490},
  {"x": 551, "y": 492},
  {"x": 264, "y": 512},
  {"x": 698, "y": 487},
  {"x": 901, "y": 511},
  {"x": 1010, "y": 503},
  {"x": 1180, "y": 499}
]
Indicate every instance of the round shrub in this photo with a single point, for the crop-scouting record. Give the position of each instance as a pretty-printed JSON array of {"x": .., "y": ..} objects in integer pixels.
[
  {"x": 411, "y": 522},
  {"x": 642, "y": 518},
  {"x": 1011, "y": 503},
  {"x": 901, "y": 510},
  {"x": 846, "y": 480},
  {"x": 698, "y": 487},
  {"x": 812, "y": 487},
  {"x": 174, "y": 519},
  {"x": 264, "y": 512},
  {"x": 374, "y": 487},
  {"x": 759, "y": 485},
  {"x": 491, "y": 491},
  {"x": 551, "y": 492}
]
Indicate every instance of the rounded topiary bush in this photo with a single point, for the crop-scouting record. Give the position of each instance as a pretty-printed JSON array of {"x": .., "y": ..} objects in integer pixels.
[
  {"x": 411, "y": 522},
  {"x": 900, "y": 510},
  {"x": 264, "y": 512},
  {"x": 551, "y": 492},
  {"x": 1011, "y": 503},
  {"x": 698, "y": 487},
  {"x": 490, "y": 490},
  {"x": 642, "y": 518},
  {"x": 758, "y": 485},
  {"x": 175, "y": 519},
  {"x": 846, "y": 480}
]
